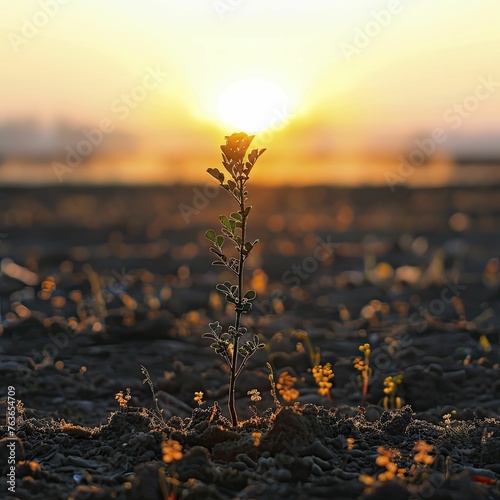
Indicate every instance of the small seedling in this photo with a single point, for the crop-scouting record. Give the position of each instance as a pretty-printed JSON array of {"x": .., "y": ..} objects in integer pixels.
[
  {"x": 286, "y": 387},
  {"x": 171, "y": 450},
  {"x": 390, "y": 401},
  {"x": 256, "y": 438},
  {"x": 254, "y": 398},
  {"x": 20, "y": 412},
  {"x": 123, "y": 399},
  {"x": 365, "y": 372},
  {"x": 386, "y": 459},
  {"x": 322, "y": 376},
  {"x": 314, "y": 354},
  {"x": 234, "y": 228},
  {"x": 422, "y": 450},
  {"x": 198, "y": 397}
]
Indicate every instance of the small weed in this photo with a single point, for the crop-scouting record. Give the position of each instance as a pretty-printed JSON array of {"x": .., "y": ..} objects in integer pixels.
[
  {"x": 322, "y": 376},
  {"x": 171, "y": 451},
  {"x": 254, "y": 398},
  {"x": 303, "y": 337},
  {"x": 422, "y": 450},
  {"x": 256, "y": 438},
  {"x": 365, "y": 372},
  {"x": 285, "y": 387},
  {"x": 198, "y": 397},
  {"x": 20, "y": 412},
  {"x": 123, "y": 399},
  {"x": 390, "y": 401}
]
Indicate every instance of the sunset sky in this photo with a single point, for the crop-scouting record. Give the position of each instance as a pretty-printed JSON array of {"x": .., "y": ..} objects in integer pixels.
[{"x": 341, "y": 75}]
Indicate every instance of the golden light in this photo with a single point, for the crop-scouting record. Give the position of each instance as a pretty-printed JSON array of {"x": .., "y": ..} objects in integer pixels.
[{"x": 253, "y": 104}]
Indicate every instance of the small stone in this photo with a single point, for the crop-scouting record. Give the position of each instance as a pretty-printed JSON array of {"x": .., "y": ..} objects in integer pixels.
[
  {"x": 318, "y": 449},
  {"x": 240, "y": 466}
]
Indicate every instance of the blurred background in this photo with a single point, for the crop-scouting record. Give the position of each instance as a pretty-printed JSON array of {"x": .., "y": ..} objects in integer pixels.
[
  {"x": 377, "y": 202},
  {"x": 397, "y": 92}
]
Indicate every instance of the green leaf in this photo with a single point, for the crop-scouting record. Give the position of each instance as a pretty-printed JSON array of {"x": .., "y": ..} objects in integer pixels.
[
  {"x": 248, "y": 246},
  {"x": 219, "y": 240},
  {"x": 236, "y": 216},
  {"x": 250, "y": 295},
  {"x": 225, "y": 221},
  {"x": 247, "y": 211},
  {"x": 211, "y": 235}
]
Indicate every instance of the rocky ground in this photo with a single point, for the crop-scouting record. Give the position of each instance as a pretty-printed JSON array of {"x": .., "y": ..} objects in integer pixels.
[{"x": 97, "y": 282}]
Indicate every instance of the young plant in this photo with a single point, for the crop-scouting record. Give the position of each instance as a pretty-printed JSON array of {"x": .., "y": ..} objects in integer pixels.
[
  {"x": 390, "y": 401},
  {"x": 234, "y": 228},
  {"x": 286, "y": 387},
  {"x": 322, "y": 376},
  {"x": 365, "y": 372},
  {"x": 123, "y": 398}
]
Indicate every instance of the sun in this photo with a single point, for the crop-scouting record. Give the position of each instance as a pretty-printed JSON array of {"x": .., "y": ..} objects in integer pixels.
[{"x": 253, "y": 105}]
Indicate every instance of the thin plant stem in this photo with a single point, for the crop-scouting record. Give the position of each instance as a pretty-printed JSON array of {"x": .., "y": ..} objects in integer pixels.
[{"x": 241, "y": 265}]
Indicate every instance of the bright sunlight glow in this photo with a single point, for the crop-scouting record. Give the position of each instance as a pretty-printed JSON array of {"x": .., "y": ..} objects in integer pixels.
[{"x": 253, "y": 105}]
